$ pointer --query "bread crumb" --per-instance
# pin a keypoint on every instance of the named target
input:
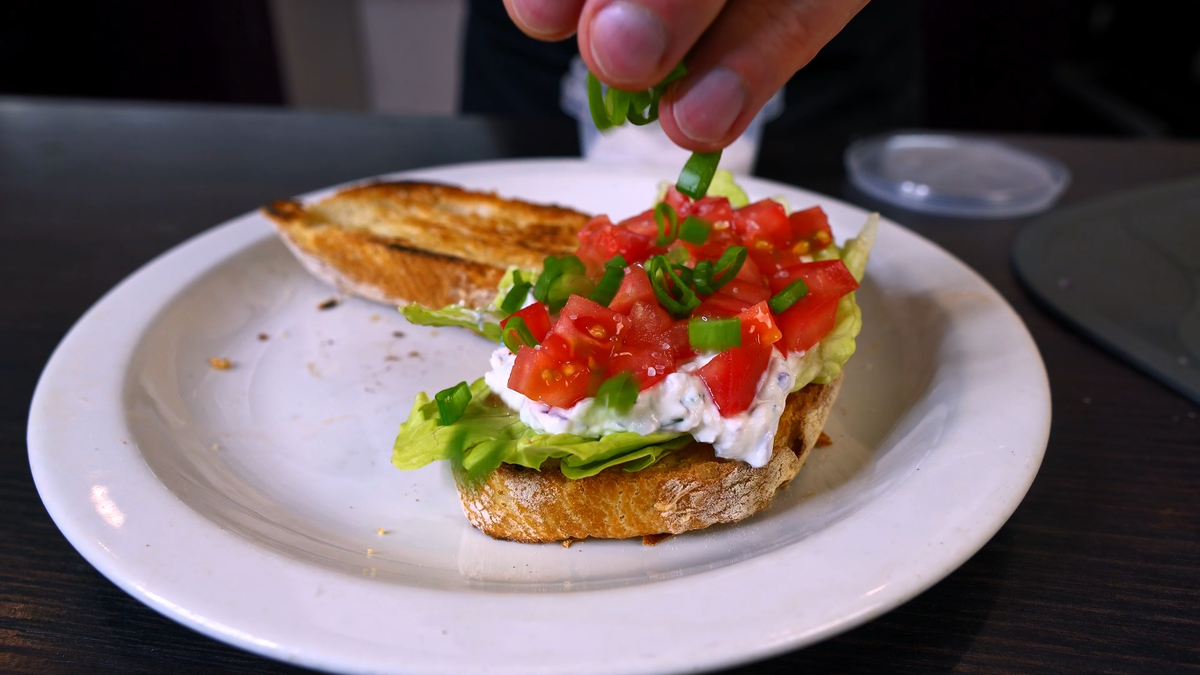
(370, 552)
(263, 337)
(414, 354)
(391, 357)
(328, 304)
(375, 317)
(381, 531)
(215, 446)
(566, 543)
(824, 440)
(397, 333)
(654, 539)
(218, 363)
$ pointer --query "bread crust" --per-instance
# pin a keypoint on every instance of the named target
(437, 245)
(687, 489)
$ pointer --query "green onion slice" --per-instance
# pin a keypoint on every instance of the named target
(596, 104)
(668, 223)
(452, 403)
(702, 278)
(715, 335)
(515, 298)
(673, 294)
(698, 173)
(613, 107)
(727, 266)
(551, 270)
(695, 230)
(610, 283)
(566, 286)
(785, 298)
(618, 393)
(516, 334)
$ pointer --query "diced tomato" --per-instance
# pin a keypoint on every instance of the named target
(648, 321)
(732, 377)
(590, 329)
(719, 239)
(540, 374)
(751, 272)
(758, 326)
(811, 225)
(805, 323)
(536, 317)
(600, 240)
(721, 305)
(747, 292)
(765, 221)
(643, 224)
(713, 209)
(635, 287)
(771, 260)
(826, 279)
(647, 366)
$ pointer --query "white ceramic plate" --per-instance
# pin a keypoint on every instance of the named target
(246, 503)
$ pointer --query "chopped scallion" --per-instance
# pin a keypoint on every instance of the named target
(715, 335)
(785, 298)
(668, 224)
(694, 230)
(565, 286)
(673, 294)
(619, 393)
(698, 173)
(515, 298)
(452, 403)
(727, 266)
(610, 283)
(516, 334)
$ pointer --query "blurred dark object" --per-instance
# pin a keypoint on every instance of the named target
(1112, 67)
(182, 50)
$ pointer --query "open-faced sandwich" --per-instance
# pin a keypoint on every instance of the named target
(672, 373)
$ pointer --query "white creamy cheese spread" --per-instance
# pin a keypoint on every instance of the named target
(679, 402)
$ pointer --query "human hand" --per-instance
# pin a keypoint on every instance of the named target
(738, 52)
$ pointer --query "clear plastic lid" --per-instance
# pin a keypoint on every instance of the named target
(963, 176)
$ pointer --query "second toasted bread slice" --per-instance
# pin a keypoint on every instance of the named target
(437, 245)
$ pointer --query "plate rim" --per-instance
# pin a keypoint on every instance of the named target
(138, 578)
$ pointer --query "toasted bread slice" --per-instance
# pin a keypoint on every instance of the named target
(437, 245)
(688, 489)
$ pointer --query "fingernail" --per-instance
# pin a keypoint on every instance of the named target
(627, 42)
(710, 107)
(544, 18)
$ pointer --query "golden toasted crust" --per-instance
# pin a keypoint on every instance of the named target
(688, 489)
(437, 245)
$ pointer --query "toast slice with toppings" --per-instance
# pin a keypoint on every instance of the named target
(688, 489)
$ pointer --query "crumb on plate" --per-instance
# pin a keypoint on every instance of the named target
(219, 363)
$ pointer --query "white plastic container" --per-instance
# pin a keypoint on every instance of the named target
(648, 145)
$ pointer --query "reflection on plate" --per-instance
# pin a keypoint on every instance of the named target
(249, 503)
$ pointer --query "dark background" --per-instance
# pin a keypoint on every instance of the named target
(1091, 67)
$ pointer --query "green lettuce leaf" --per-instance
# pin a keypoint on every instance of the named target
(489, 433)
(483, 322)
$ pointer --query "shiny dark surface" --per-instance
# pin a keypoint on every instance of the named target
(1098, 569)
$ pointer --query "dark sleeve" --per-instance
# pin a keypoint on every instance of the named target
(507, 73)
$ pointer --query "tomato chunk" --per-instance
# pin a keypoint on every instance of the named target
(805, 323)
(600, 240)
(635, 287)
(732, 377)
(536, 317)
(591, 330)
(542, 375)
(765, 221)
(811, 226)
(825, 279)
(758, 326)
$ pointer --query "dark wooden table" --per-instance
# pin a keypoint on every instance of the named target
(1098, 570)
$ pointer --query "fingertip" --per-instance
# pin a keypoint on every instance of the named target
(706, 111)
(549, 20)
